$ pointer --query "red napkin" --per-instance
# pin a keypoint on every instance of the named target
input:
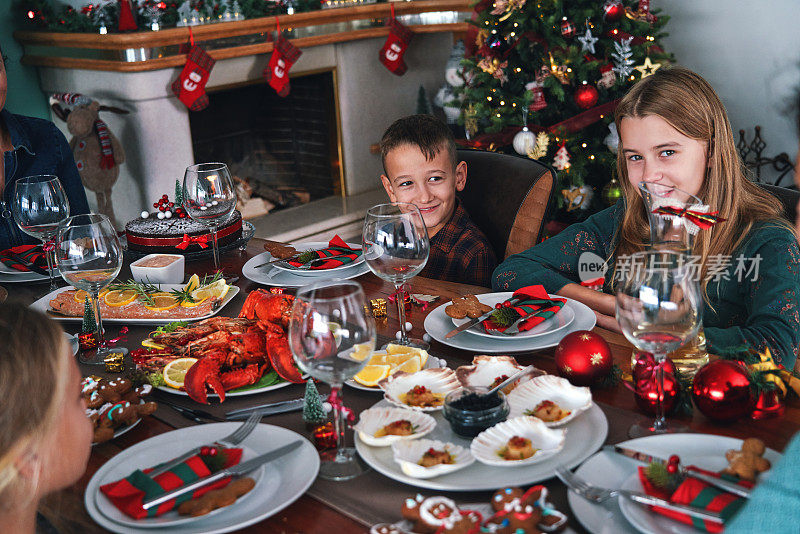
(31, 253)
(129, 493)
(535, 303)
(694, 492)
(338, 252)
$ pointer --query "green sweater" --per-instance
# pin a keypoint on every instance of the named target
(759, 307)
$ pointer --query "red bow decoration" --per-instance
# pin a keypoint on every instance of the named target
(402, 290)
(336, 403)
(201, 240)
(121, 337)
(701, 219)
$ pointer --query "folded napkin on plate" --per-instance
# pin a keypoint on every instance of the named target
(535, 304)
(338, 252)
(28, 253)
(694, 492)
(129, 493)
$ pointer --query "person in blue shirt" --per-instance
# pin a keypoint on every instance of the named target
(32, 146)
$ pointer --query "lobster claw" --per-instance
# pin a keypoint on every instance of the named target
(282, 360)
(204, 373)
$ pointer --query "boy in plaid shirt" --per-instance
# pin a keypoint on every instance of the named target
(420, 167)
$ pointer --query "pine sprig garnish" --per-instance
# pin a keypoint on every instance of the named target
(657, 473)
(505, 316)
(184, 294)
(307, 256)
(143, 290)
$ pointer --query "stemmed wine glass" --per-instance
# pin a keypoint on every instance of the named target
(40, 203)
(659, 308)
(329, 323)
(89, 257)
(396, 248)
(209, 197)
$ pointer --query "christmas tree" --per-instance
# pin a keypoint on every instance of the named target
(568, 62)
(313, 411)
(89, 321)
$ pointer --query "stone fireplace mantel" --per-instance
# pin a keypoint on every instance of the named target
(156, 134)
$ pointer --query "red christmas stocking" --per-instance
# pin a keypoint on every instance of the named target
(126, 20)
(284, 55)
(391, 54)
(190, 85)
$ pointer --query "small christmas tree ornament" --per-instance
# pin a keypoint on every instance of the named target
(586, 96)
(607, 76)
(525, 139)
(284, 55)
(648, 68)
(567, 28)
(539, 150)
(588, 40)
(89, 320)
(578, 197)
(313, 410)
(611, 192)
(561, 159)
(623, 64)
(613, 10)
(583, 358)
(722, 390)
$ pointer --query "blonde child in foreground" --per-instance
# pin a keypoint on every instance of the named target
(421, 167)
(45, 436)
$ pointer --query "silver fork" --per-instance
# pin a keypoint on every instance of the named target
(600, 495)
(231, 440)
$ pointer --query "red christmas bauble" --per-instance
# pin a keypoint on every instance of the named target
(645, 387)
(721, 391)
(586, 96)
(583, 357)
(613, 10)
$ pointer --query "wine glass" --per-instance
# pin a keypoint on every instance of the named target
(659, 308)
(396, 248)
(209, 197)
(89, 257)
(40, 203)
(329, 323)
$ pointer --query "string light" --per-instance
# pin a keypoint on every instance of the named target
(518, 69)
(591, 157)
(489, 98)
(502, 102)
(583, 145)
(512, 34)
(498, 115)
(513, 104)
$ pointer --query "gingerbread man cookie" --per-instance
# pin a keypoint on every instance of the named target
(467, 306)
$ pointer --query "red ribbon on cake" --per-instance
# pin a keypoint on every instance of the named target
(201, 240)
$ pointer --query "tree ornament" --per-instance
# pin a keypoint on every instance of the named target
(578, 197)
(642, 13)
(561, 159)
(722, 391)
(648, 68)
(611, 192)
(586, 96)
(178, 193)
(583, 358)
(567, 28)
(89, 320)
(645, 387)
(494, 67)
(769, 404)
(539, 150)
(588, 40)
(313, 411)
(613, 10)
(623, 64)
(538, 101)
(524, 141)
(612, 139)
(607, 76)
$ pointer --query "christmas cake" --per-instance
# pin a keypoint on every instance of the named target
(175, 233)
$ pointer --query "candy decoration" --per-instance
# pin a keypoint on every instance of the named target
(721, 390)
(586, 96)
(583, 358)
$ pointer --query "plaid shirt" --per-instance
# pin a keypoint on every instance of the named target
(460, 252)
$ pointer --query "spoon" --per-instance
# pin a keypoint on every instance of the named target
(519, 374)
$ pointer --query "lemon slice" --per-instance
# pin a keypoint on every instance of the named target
(378, 358)
(175, 371)
(411, 365)
(187, 304)
(218, 290)
(119, 298)
(402, 353)
(361, 352)
(372, 374)
(194, 283)
(162, 302)
(150, 344)
(81, 295)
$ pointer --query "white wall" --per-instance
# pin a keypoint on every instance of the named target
(749, 50)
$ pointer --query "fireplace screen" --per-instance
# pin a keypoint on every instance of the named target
(281, 151)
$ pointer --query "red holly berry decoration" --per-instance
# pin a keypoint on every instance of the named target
(586, 96)
(722, 391)
(583, 357)
(645, 388)
(613, 10)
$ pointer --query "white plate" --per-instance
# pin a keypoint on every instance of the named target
(10, 278)
(432, 363)
(317, 245)
(610, 470)
(560, 320)
(121, 430)
(270, 276)
(437, 324)
(584, 436)
(43, 305)
(73, 342)
(285, 480)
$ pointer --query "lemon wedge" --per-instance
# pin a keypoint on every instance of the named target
(175, 371)
(402, 353)
(150, 344)
(119, 298)
(361, 351)
(162, 302)
(372, 374)
(378, 358)
(216, 290)
(194, 283)
(411, 365)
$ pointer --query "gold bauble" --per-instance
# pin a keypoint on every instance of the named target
(612, 192)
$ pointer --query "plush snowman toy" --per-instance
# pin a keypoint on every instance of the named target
(454, 76)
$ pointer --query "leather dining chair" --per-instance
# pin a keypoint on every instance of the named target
(788, 197)
(508, 198)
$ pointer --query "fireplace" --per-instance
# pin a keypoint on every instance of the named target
(282, 152)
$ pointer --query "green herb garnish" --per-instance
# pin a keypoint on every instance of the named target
(307, 256)
(505, 316)
(169, 327)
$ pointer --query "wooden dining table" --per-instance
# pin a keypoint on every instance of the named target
(309, 514)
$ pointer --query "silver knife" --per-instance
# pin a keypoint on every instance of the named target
(643, 498)
(266, 409)
(473, 322)
(235, 470)
(724, 485)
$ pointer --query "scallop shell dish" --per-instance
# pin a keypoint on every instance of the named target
(409, 455)
(487, 371)
(550, 398)
(518, 441)
(380, 427)
(424, 390)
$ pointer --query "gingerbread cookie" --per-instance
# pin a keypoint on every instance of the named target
(280, 251)
(440, 515)
(518, 512)
(208, 502)
(748, 462)
(467, 306)
(112, 403)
